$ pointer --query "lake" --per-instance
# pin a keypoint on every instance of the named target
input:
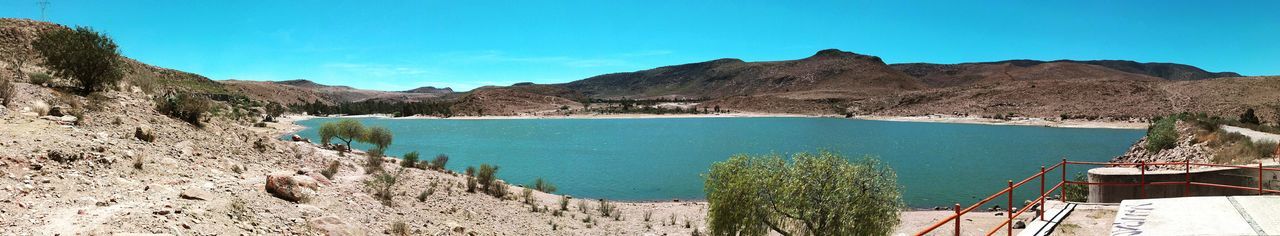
(938, 164)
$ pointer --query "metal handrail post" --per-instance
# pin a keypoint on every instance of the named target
(1260, 192)
(1186, 188)
(1042, 198)
(1142, 185)
(957, 207)
(1009, 227)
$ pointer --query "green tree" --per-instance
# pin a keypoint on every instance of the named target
(89, 58)
(814, 194)
(348, 130)
(380, 137)
(327, 132)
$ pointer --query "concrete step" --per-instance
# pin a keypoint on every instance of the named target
(1053, 217)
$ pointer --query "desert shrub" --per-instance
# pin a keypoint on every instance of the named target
(1076, 192)
(41, 108)
(138, 160)
(1162, 135)
(527, 194)
(755, 195)
(380, 137)
(498, 190)
(184, 106)
(373, 161)
(97, 101)
(1249, 118)
(399, 228)
(606, 208)
(648, 214)
(583, 206)
(6, 92)
(410, 160)
(90, 59)
(38, 78)
(471, 184)
(564, 203)
(332, 169)
(485, 176)
(543, 186)
(1243, 151)
(383, 185)
(440, 162)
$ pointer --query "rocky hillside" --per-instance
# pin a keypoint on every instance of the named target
(301, 91)
(946, 75)
(828, 73)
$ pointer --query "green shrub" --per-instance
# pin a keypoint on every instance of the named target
(90, 59)
(410, 160)
(38, 78)
(1076, 192)
(1162, 135)
(749, 195)
(332, 169)
(440, 162)
(184, 106)
(543, 186)
(471, 184)
(485, 177)
(383, 185)
(373, 161)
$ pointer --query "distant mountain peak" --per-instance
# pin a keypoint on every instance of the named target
(837, 53)
(430, 89)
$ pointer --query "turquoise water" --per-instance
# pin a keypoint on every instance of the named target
(662, 159)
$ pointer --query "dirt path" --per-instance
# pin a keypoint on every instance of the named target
(1257, 136)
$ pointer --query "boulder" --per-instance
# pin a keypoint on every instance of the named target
(319, 178)
(297, 138)
(195, 194)
(144, 133)
(291, 188)
(1019, 224)
(332, 226)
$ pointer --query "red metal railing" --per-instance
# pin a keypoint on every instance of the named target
(1142, 184)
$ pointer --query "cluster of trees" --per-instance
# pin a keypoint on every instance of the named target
(430, 108)
(813, 194)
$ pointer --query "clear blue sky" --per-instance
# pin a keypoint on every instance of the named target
(397, 45)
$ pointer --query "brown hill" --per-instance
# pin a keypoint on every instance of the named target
(299, 91)
(829, 73)
(945, 75)
(515, 100)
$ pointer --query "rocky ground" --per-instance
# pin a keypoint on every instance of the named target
(63, 179)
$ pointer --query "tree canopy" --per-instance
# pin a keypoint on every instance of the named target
(814, 194)
(89, 58)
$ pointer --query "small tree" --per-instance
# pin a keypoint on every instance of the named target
(1249, 118)
(822, 194)
(380, 137)
(274, 110)
(88, 58)
(348, 130)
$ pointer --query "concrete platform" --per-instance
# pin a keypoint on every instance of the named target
(1233, 215)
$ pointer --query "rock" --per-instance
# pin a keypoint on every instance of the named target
(195, 194)
(56, 111)
(297, 138)
(290, 188)
(144, 133)
(1019, 224)
(332, 226)
(319, 178)
(455, 227)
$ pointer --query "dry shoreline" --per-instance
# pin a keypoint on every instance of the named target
(929, 119)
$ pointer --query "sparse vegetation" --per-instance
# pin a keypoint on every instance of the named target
(431, 189)
(543, 186)
(138, 161)
(38, 78)
(1076, 192)
(184, 106)
(346, 130)
(755, 195)
(89, 58)
(383, 185)
(6, 92)
(584, 207)
(399, 228)
(440, 162)
(564, 203)
(1162, 134)
(1249, 118)
(527, 195)
(373, 161)
(607, 208)
(410, 160)
(332, 169)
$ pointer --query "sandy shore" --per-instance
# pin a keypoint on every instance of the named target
(933, 119)
(1023, 122)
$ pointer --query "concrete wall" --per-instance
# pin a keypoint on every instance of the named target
(1224, 176)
